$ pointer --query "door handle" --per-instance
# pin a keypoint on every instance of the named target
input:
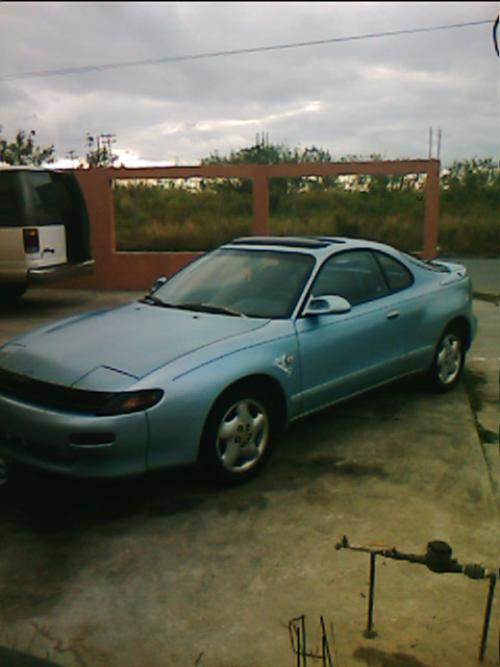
(393, 314)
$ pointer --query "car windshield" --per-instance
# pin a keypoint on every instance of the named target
(252, 283)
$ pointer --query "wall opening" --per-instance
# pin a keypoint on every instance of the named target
(180, 214)
(382, 208)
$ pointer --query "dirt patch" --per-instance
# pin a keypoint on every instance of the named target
(373, 657)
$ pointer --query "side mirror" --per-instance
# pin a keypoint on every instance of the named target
(157, 284)
(327, 305)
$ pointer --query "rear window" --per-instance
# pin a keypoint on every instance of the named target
(10, 208)
(48, 199)
(396, 274)
(31, 198)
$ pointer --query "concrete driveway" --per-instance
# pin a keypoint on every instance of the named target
(167, 571)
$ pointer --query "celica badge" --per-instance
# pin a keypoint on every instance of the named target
(285, 363)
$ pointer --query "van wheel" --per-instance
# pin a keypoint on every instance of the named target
(10, 293)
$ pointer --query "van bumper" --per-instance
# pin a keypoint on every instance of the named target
(47, 274)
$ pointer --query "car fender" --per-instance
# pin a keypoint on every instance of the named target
(176, 424)
(453, 303)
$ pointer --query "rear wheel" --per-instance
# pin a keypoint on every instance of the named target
(3, 472)
(238, 435)
(448, 360)
(11, 292)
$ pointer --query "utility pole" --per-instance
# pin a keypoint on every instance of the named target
(438, 147)
(71, 155)
(107, 140)
(440, 134)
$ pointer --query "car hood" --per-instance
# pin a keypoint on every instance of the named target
(113, 349)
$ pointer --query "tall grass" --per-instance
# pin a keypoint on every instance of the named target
(152, 217)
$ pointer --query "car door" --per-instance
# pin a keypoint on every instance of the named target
(343, 354)
(411, 303)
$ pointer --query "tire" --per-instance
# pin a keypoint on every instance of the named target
(4, 472)
(448, 362)
(11, 293)
(238, 435)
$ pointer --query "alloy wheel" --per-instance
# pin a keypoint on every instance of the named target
(449, 359)
(243, 435)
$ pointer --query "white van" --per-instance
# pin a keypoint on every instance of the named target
(44, 228)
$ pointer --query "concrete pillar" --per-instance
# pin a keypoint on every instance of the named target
(260, 193)
(431, 210)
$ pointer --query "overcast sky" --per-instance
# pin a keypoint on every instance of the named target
(360, 97)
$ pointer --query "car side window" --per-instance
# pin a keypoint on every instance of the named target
(398, 277)
(355, 275)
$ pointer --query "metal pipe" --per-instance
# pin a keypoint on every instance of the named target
(369, 632)
(325, 653)
(304, 640)
(487, 616)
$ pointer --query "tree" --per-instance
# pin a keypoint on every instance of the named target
(24, 151)
(263, 152)
(472, 175)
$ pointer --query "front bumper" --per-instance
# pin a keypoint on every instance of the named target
(43, 438)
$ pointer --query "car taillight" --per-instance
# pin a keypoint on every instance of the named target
(31, 241)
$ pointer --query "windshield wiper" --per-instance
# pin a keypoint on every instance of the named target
(200, 307)
(210, 308)
(155, 301)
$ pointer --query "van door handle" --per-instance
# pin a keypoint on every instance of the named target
(393, 314)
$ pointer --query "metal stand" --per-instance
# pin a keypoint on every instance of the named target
(298, 639)
(438, 558)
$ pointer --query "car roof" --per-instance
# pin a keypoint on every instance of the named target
(315, 245)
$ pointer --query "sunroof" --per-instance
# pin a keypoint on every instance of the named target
(330, 239)
(286, 241)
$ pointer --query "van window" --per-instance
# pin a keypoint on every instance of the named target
(10, 208)
(48, 199)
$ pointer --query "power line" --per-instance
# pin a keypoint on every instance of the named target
(234, 52)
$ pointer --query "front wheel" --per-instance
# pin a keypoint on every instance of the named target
(238, 434)
(448, 361)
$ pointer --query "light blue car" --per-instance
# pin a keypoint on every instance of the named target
(215, 361)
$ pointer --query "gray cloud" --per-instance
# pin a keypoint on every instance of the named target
(372, 96)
